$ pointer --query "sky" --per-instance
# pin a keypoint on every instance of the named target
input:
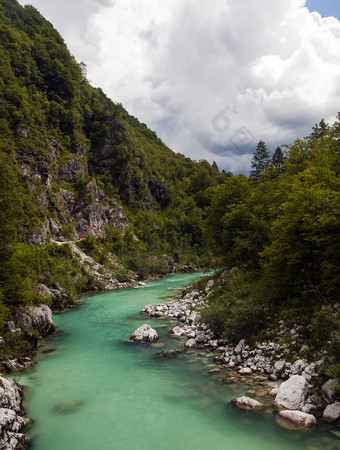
(211, 81)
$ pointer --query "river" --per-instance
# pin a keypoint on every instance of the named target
(94, 390)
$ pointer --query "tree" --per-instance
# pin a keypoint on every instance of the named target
(277, 161)
(214, 165)
(278, 157)
(320, 130)
(260, 161)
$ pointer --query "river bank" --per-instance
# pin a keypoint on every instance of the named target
(90, 374)
(297, 398)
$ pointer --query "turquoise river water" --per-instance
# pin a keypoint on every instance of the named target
(92, 389)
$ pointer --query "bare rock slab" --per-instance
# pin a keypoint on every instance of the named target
(144, 333)
(296, 420)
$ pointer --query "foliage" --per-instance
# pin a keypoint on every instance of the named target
(260, 161)
(283, 230)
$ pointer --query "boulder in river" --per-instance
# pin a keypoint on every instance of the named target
(296, 420)
(144, 333)
(190, 343)
(247, 403)
(68, 407)
(332, 412)
(292, 393)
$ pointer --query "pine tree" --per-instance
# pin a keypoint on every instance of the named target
(278, 158)
(260, 161)
(214, 165)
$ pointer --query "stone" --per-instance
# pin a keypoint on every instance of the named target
(38, 317)
(279, 366)
(245, 371)
(43, 291)
(332, 412)
(178, 331)
(303, 349)
(310, 408)
(215, 370)
(247, 403)
(10, 424)
(68, 407)
(142, 284)
(144, 333)
(166, 354)
(273, 392)
(10, 395)
(200, 339)
(190, 343)
(148, 309)
(292, 393)
(240, 346)
(296, 420)
(328, 391)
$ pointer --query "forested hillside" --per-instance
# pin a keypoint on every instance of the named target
(76, 164)
(279, 228)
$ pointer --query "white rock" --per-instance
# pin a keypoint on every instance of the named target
(245, 371)
(274, 391)
(10, 394)
(144, 333)
(190, 343)
(292, 393)
(239, 347)
(178, 331)
(148, 309)
(39, 317)
(295, 420)
(279, 366)
(332, 412)
(161, 307)
(9, 420)
(247, 403)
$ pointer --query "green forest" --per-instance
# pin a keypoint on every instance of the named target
(279, 226)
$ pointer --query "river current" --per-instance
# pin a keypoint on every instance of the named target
(93, 390)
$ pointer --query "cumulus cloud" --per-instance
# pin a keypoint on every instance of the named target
(211, 81)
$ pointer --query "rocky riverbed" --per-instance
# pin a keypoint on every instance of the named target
(32, 323)
(290, 383)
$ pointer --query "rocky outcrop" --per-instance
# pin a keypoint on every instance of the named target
(10, 425)
(105, 276)
(144, 333)
(11, 420)
(160, 192)
(49, 230)
(296, 420)
(70, 171)
(248, 404)
(38, 318)
(292, 393)
(94, 211)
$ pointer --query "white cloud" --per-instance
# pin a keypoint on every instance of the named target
(210, 80)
